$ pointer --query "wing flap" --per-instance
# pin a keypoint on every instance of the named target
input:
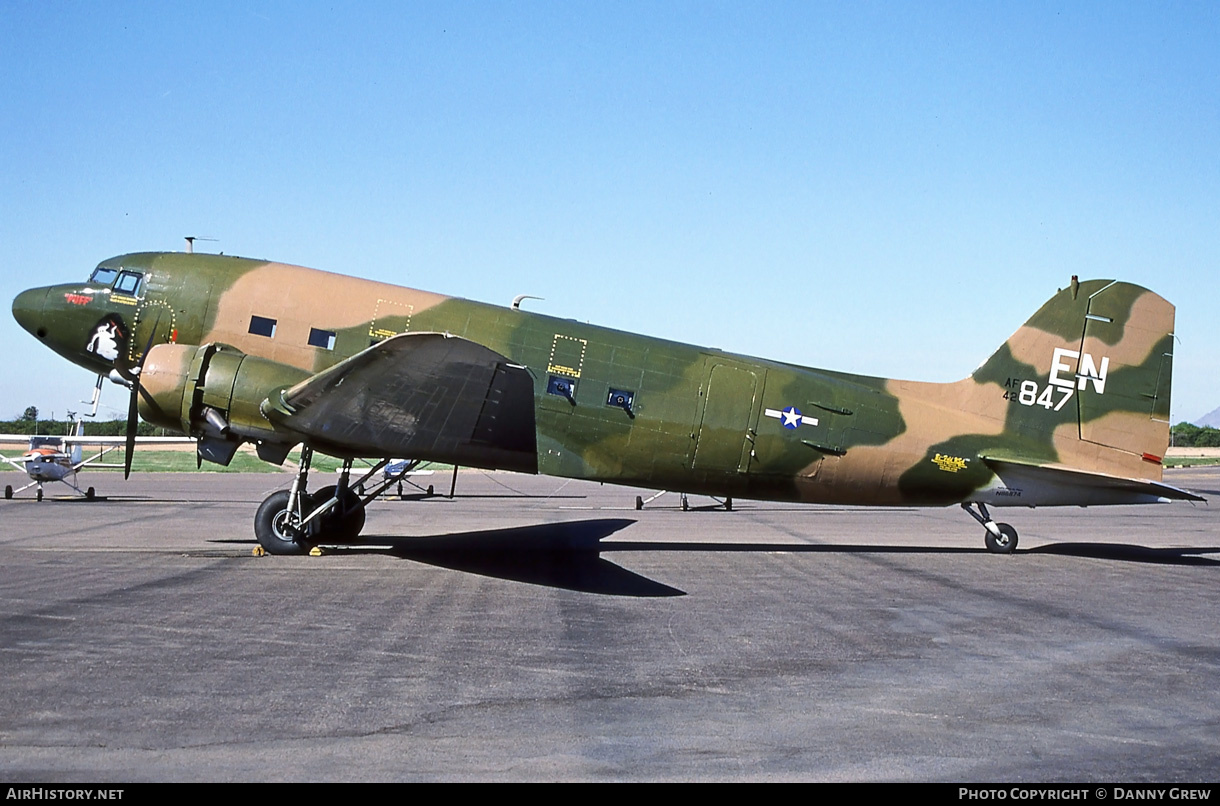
(419, 395)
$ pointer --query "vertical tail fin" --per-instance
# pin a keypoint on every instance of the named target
(1091, 369)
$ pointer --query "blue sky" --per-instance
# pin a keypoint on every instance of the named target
(884, 188)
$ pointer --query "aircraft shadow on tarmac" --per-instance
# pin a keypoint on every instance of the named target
(568, 555)
(559, 555)
(1130, 553)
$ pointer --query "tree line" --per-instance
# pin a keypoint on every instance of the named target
(1189, 435)
(63, 428)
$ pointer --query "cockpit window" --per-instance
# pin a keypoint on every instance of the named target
(128, 283)
(103, 276)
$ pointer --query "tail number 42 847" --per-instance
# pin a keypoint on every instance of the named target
(1062, 383)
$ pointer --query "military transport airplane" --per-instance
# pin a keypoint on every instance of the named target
(1072, 410)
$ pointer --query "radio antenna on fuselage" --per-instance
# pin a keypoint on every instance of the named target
(190, 242)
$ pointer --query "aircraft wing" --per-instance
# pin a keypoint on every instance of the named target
(96, 459)
(424, 395)
(1087, 487)
(74, 439)
(86, 440)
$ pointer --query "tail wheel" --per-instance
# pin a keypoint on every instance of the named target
(1006, 543)
(274, 525)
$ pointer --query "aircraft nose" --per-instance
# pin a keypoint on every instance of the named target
(27, 310)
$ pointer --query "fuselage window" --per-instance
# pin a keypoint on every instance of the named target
(562, 387)
(262, 326)
(128, 283)
(103, 276)
(322, 338)
(621, 399)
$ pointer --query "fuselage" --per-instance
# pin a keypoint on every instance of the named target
(47, 464)
(608, 405)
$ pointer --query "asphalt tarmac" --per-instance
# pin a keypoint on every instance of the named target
(537, 629)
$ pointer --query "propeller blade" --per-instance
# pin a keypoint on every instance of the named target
(123, 367)
(133, 407)
(133, 416)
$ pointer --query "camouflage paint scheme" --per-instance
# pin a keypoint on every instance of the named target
(1073, 409)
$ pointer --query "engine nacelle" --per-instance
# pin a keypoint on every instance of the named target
(211, 391)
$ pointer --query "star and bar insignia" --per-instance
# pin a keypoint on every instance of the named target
(791, 417)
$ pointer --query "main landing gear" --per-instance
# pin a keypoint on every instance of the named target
(1000, 537)
(293, 521)
(640, 501)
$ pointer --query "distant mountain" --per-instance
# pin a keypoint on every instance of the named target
(1212, 419)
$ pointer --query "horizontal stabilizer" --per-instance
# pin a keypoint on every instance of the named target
(1045, 484)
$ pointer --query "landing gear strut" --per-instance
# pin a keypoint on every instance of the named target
(1001, 538)
(344, 520)
(281, 521)
(89, 495)
(293, 521)
(684, 501)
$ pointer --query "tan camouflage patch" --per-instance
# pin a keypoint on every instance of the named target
(1035, 347)
(933, 413)
(1150, 319)
(163, 383)
(334, 303)
(1142, 434)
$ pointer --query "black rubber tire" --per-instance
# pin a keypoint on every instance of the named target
(39, 495)
(1006, 544)
(639, 502)
(271, 530)
(8, 492)
(90, 494)
(343, 523)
